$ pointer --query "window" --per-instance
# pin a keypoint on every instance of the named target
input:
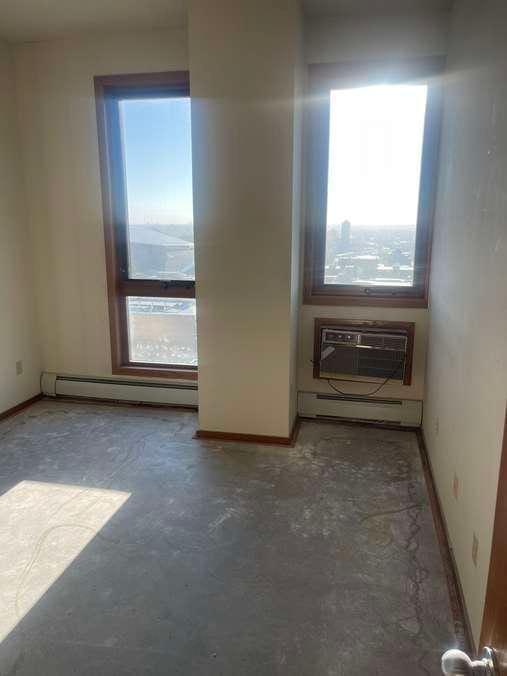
(146, 167)
(373, 133)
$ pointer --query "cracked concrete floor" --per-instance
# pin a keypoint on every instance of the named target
(127, 547)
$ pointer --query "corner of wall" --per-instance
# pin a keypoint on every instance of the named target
(19, 347)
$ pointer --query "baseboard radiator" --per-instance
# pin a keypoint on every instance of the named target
(403, 412)
(118, 389)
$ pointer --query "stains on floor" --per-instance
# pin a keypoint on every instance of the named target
(206, 558)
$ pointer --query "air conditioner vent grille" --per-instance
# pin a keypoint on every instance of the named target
(362, 351)
(372, 340)
(395, 343)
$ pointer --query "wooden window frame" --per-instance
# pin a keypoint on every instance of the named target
(323, 78)
(109, 89)
(406, 329)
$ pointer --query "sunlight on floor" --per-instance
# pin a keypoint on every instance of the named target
(43, 528)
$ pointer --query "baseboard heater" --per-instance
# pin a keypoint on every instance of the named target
(403, 412)
(117, 389)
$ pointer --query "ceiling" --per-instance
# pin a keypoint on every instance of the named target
(30, 20)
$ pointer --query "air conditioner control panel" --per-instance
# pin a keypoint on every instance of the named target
(339, 337)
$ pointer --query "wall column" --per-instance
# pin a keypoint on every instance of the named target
(244, 65)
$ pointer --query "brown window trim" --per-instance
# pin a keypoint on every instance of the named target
(323, 78)
(108, 89)
(403, 328)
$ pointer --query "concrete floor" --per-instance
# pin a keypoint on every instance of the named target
(127, 547)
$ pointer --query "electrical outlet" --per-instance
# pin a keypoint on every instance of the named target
(19, 367)
(437, 426)
(455, 486)
(475, 549)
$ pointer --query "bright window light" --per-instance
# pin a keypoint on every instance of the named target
(162, 330)
(375, 150)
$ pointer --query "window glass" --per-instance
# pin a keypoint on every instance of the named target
(156, 137)
(375, 148)
(162, 330)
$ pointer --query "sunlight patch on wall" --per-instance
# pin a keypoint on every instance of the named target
(43, 529)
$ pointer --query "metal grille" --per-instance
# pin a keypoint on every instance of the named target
(371, 355)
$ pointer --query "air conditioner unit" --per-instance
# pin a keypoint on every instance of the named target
(118, 389)
(357, 351)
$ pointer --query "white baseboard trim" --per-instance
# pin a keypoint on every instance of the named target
(119, 389)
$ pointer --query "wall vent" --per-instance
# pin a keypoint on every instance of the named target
(403, 412)
(358, 398)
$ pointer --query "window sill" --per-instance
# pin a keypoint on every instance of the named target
(169, 373)
(365, 301)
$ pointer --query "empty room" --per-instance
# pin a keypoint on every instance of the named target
(253, 337)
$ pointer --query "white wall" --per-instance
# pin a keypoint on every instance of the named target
(356, 37)
(243, 99)
(18, 339)
(370, 36)
(298, 210)
(57, 116)
(57, 112)
(467, 368)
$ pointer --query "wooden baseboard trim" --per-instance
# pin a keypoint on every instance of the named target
(462, 626)
(251, 438)
(20, 407)
(372, 424)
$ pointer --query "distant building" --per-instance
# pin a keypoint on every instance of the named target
(345, 235)
(159, 255)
